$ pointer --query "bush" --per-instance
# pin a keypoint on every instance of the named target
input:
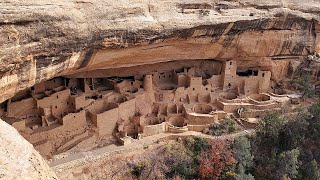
(215, 160)
(179, 161)
(137, 168)
(293, 133)
(314, 122)
(225, 126)
(315, 110)
(196, 145)
(305, 85)
(312, 171)
(268, 130)
(242, 153)
(288, 164)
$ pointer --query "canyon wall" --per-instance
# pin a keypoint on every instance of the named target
(43, 39)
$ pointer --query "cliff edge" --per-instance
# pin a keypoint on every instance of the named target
(18, 158)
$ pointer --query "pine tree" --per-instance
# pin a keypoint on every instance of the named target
(312, 171)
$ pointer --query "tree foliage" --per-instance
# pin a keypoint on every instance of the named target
(288, 164)
(280, 149)
(267, 134)
(225, 126)
(242, 152)
(243, 155)
(312, 171)
(305, 85)
(215, 160)
(293, 133)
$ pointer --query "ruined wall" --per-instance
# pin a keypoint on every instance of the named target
(127, 109)
(216, 81)
(58, 102)
(128, 86)
(106, 121)
(78, 102)
(22, 108)
(229, 75)
(264, 81)
(154, 129)
(143, 104)
(201, 119)
(198, 128)
(74, 121)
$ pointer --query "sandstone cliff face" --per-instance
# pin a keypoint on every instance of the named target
(18, 159)
(47, 38)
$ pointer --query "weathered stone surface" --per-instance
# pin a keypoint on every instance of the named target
(18, 159)
(43, 39)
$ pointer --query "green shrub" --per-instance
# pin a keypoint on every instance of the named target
(268, 130)
(137, 168)
(315, 110)
(242, 152)
(179, 161)
(305, 85)
(288, 164)
(196, 145)
(225, 126)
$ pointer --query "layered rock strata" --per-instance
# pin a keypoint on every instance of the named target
(43, 39)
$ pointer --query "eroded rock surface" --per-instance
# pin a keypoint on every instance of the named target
(43, 39)
(18, 159)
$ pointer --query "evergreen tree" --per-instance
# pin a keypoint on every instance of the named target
(288, 164)
(242, 153)
(312, 171)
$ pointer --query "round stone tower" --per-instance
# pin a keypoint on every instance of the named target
(147, 83)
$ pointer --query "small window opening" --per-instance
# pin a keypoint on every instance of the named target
(229, 84)
(262, 74)
(248, 72)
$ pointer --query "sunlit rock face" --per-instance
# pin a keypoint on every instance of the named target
(18, 158)
(43, 39)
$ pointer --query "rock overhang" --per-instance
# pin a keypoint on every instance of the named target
(38, 44)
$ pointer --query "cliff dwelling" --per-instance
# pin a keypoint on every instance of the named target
(159, 89)
(126, 104)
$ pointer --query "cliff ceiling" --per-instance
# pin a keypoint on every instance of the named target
(43, 39)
